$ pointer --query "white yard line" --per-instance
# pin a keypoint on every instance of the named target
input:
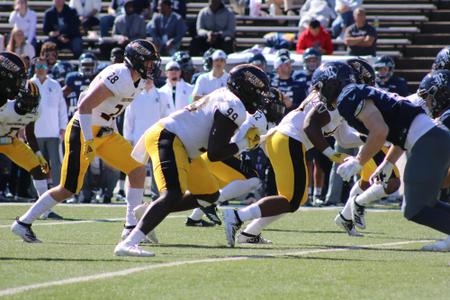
(125, 272)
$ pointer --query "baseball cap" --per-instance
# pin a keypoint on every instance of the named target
(281, 61)
(172, 64)
(219, 54)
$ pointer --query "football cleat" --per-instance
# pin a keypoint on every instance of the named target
(123, 249)
(347, 225)
(198, 223)
(439, 246)
(24, 231)
(151, 237)
(232, 225)
(211, 213)
(246, 238)
(358, 212)
(121, 196)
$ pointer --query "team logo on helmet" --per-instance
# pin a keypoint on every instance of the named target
(140, 49)
(8, 64)
(330, 72)
(250, 77)
(440, 79)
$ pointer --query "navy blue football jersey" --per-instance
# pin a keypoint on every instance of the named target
(445, 118)
(295, 90)
(77, 84)
(397, 114)
(396, 85)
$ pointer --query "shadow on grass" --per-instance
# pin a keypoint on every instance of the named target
(57, 259)
(313, 231)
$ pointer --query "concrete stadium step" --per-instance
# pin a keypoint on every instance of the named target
(431, 38)
(412, 74)
(422, 50)
(414, 62)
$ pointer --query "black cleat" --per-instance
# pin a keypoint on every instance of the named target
(198, 223)
(211, 214)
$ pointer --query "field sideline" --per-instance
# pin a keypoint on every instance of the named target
(310, 259)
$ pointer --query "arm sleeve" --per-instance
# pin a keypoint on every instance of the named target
(12, 17)
(219, 147)
(301, 44)
(403, 88)
(62, 110)
(201, 31)
(47, 26)
(128, 122)
(32, 28)
(231, 25)
(347, 137)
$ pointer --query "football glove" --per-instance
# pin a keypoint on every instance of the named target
(253, 137)
(89, 150)
(334, 156)
(349, 168)
(42, 162)
(382, 173)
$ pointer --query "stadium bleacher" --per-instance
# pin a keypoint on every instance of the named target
(413, 32)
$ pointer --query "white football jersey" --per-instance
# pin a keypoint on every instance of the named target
(11, 122)
(193, 124)
(257, 120)
(292, 124)
(117, 78)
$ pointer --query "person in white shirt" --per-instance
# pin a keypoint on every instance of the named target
(213, 80)
(87, 11)
(25, 19)
(19, 45)
(178, 90)
(146, 109)
(50, 126)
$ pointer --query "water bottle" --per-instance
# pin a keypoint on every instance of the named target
(376, 23)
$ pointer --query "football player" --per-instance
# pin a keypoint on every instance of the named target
(77, 82)
(386, 80)
(90, 132)
(434, 89)
(172, 144)
(18, 114)
(382, 117)
(12, 76)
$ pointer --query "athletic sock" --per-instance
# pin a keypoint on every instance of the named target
(40, 186)
(249, 213)
(346, 211)
(134, 198)
(257, 225)
(121, 184)
(43, 204)
(317, 192)
(197, 214)
(238, 188)
(135, 237)
(374, 192)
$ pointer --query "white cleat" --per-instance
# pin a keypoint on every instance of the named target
(246, 238)
(347, 225)
(24, 231)
(122, 249)
(439, 246)
(358, 212)
(231, 225)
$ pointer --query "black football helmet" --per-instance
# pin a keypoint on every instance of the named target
(207, 59)
(250, 84)
(60, 71)
(273, 107)
(435, 90)
(87, 64)
(27, 100)
(184, 60)
(137, 53)
(442, 60)
(117, 55)
(13, 76)
(364, 73)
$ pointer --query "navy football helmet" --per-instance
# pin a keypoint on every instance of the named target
(435, 90)
(384, 62)
(258, 60)
(442, 60)
(250, 84)
(87, 64)
(60, 71)
(329, 80)
(207, 59)
(137, 53)
(309, 53)
(274, 107)
(364, 73)
(184, 60)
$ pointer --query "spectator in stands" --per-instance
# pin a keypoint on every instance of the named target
(178, 90)
(19, 45)
(114, 10)
(258, 60)
(360, 37)
(178, 6)
(24, 19)
(315, 37)
(216, 26)
(294, 92)
(385, 79)
(49, 51)
(166, 28)
(87, 12)
(49, 128)
(130, 26)
(213, 80)
(345, 17)
(319, 10)
(142, 8)
(62, 25)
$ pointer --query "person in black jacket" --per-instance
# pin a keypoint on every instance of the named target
(62, 25)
